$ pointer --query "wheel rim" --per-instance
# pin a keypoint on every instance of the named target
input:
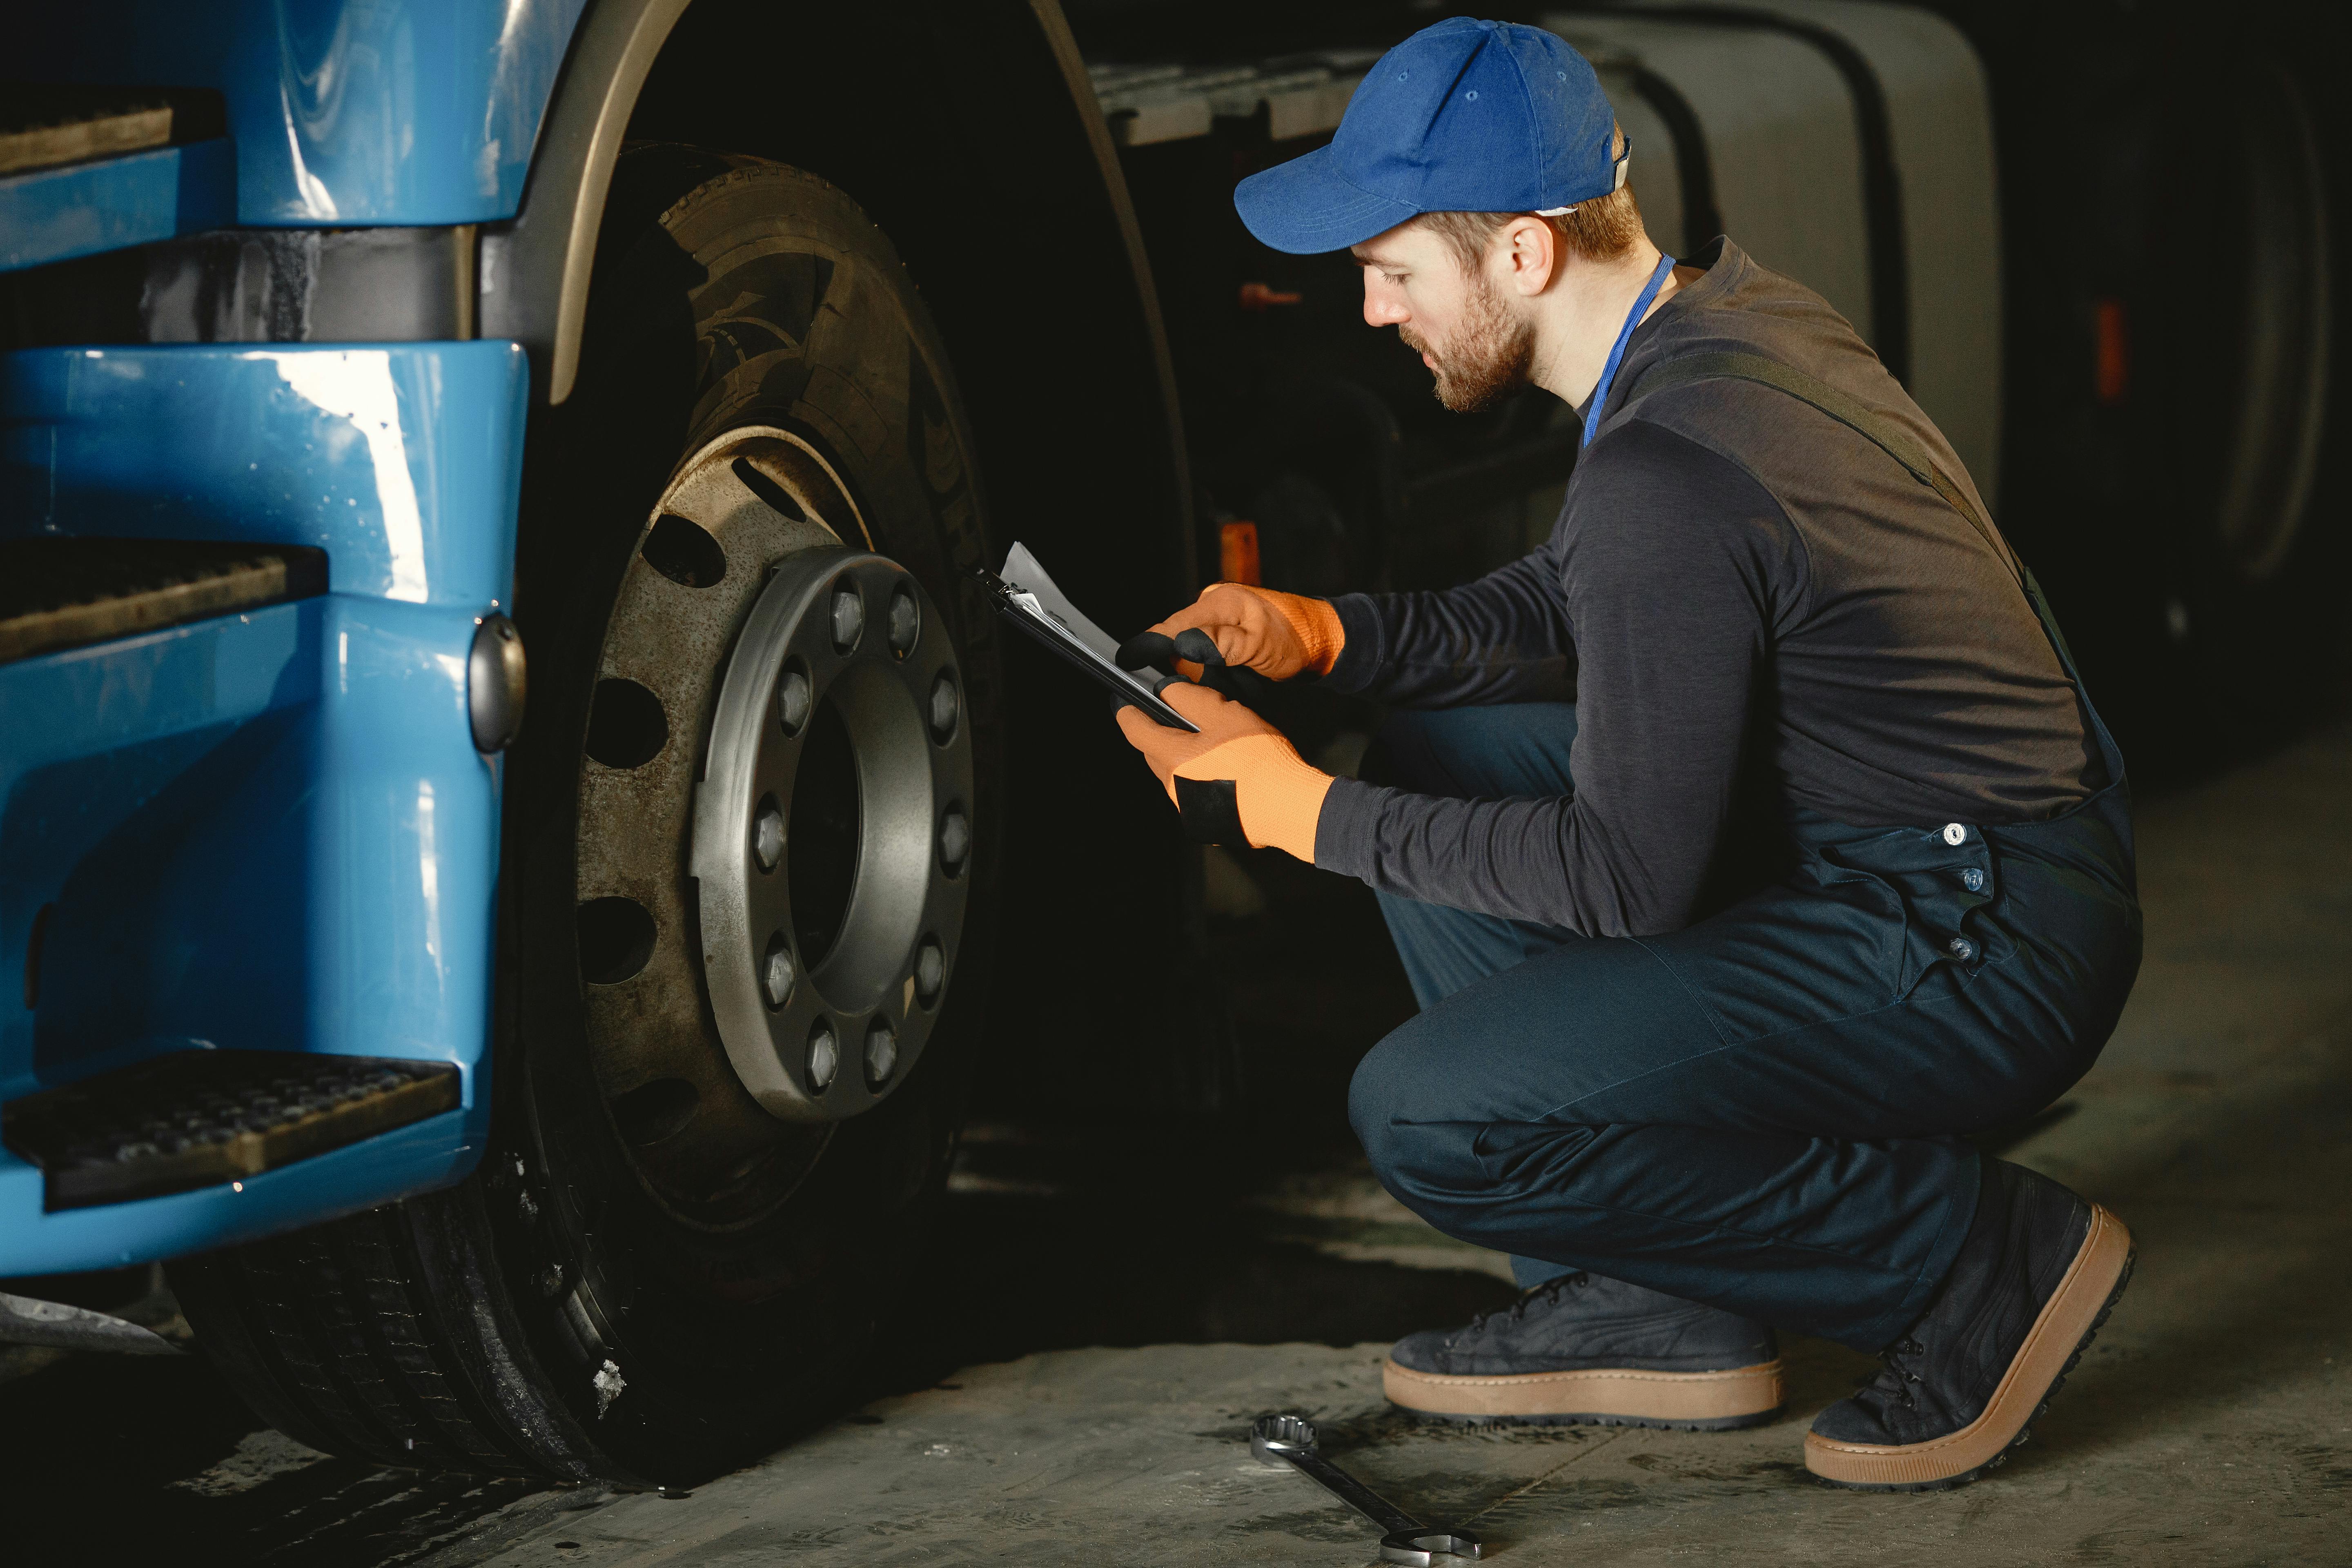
(825, 993)
(732, 584)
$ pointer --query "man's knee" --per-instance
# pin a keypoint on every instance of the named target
(1456, 1165)
(1397, 1087)
(1378, 1097)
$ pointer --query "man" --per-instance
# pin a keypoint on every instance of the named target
(1827, 863)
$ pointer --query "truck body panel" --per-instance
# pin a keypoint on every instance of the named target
(57, 215)
(268, 830)
(407, 112)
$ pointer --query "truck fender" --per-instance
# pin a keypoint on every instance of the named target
(534, 271)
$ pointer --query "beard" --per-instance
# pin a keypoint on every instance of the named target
(1489, 356)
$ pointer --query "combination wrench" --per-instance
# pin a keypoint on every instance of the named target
(1290, 1440)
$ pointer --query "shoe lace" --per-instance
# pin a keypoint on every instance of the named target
(1893, 1379)
(1547, 1292)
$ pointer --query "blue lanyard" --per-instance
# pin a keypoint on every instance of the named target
(1617, 353)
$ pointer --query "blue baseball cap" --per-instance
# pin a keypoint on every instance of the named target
(1467, 116)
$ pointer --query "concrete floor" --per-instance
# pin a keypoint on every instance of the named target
(1123, 1304)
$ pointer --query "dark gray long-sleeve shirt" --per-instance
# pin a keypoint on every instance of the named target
(1741, 594)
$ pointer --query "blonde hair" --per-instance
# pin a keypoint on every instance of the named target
(1601, 229)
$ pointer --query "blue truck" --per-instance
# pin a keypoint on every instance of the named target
(519, 834)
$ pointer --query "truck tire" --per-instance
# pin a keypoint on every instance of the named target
(655, 1274)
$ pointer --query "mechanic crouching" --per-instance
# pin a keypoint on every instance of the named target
(1827, 863)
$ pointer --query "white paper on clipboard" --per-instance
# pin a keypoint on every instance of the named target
(1027, 577)
(1024, 571)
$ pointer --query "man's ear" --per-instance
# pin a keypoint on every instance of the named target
(1530, 254)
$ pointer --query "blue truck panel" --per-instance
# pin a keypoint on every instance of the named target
(342, 111)
(268, 830)
(402, 460)
(56, 214)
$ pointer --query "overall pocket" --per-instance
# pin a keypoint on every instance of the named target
(1941, 886)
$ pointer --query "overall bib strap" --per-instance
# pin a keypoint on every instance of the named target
(2110, 803)
(1889, 438)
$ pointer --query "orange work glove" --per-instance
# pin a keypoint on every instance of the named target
(1277, 634)
(1238, 772)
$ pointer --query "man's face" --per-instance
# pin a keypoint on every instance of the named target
(1462, 325)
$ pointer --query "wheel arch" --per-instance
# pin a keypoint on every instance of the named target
(967, 131)
(534, 268)
(1028, 251)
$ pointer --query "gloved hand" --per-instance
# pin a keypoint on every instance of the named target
(1277, 634)
(1239, 778)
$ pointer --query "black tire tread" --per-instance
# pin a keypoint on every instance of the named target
(335, 1322)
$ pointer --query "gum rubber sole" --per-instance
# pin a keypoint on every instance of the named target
(2068, 1322)
(1592, 1419)
(1601, 1396)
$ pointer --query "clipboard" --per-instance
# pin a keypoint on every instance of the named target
(1027, 597)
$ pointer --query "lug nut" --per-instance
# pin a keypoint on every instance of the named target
(930, 969)
(776, 970)
(944, 708)
(848, 618)
(906, 623)
(955, 840)
(768, 835)
(824, 1055)
(881, 1053)
(793, 699)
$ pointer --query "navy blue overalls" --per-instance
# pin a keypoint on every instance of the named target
(1763, 1111)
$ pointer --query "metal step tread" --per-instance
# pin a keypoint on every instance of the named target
(63, 593)
(47, 126)
(197, 1119)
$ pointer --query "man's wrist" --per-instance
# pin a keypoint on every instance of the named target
(1282, 804)
(1356, 664)
(1316, 627)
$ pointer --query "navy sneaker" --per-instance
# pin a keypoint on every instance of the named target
(1583, 1349)
(2040, 1271)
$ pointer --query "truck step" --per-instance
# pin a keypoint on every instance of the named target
(49, 125)
(197, 1119)
(63, 593)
